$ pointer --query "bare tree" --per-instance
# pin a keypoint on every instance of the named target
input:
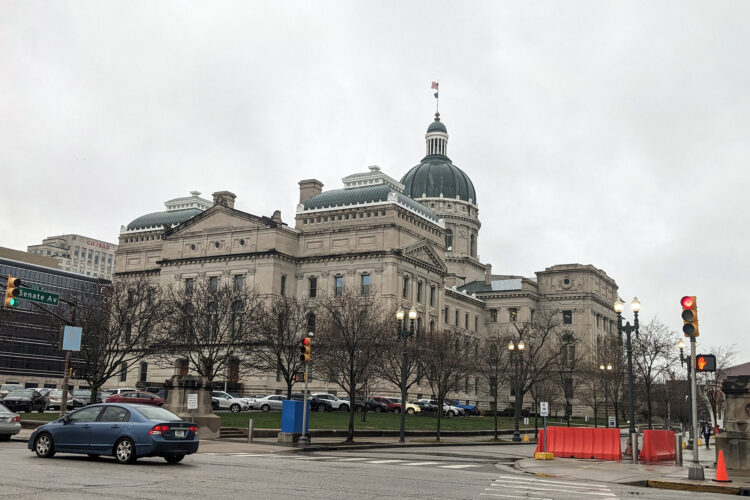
(445, 364)
(592, 387)
(492, 366)
(653, 355)
(391, 358)
(119, 324)
(209, 324)
(351, 330)
(567, 366)
(282, 323)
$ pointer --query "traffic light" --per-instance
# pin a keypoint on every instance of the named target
(305, 350)
(689, 315)
(705, 363)
(12, 291)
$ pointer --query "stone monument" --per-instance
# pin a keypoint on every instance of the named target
(189, 397)
(734, 441)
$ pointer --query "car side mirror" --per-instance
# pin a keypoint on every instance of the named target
(66, 419)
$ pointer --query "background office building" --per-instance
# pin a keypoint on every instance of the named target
(79, 254)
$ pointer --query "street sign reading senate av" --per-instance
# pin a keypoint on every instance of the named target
(33, 295)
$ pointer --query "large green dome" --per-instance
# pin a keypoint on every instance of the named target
(437, 176)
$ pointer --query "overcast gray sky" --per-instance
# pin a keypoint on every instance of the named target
(604, 133)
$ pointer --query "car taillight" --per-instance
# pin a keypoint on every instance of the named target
(17, 418)
(158, 429)
(194, 428)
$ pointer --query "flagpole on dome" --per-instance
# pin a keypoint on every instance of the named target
(436, 88)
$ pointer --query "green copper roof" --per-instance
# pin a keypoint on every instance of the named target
(436, 125)
(159, 219)
(437, 176)
(366, 194)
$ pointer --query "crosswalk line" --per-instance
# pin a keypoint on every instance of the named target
(422, 463)
(533, 479)
(539, 489)
(458, 466)
(384, 461)
(498, 495)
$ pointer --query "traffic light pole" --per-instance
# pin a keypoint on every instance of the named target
(695, 471)
(66, 373)
(303, 438)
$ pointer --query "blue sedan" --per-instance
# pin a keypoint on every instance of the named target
(123, 430)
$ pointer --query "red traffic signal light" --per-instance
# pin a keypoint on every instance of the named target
(305, 349)
(12, 291)
(705, 363)
(689, 315)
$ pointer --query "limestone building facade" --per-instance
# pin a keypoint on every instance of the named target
(415, 241)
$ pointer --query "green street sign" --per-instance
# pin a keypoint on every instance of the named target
(48, 298)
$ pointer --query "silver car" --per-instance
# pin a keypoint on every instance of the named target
(10, 423)
(228, 402)
(267, 403)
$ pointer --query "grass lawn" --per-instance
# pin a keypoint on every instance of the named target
(374, 421)
(42, 417)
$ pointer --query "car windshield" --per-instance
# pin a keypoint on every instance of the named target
(20, 394)
(394, 400)
(155, 413)
(3, 409)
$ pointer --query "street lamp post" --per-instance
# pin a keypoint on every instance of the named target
(635, 306)
(404, 333)
(516, 352)
(605, 370)
(685, 360)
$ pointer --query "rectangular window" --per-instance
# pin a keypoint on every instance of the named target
(239, 282)
(405, 291)
(476, 323)
(513, 314)
(466, 321)
(456, 317)
(365, 284)
(445, 320)
(338, 286)
(419, 291)
(313, 286)
(213, 283)
(567, 317)
(283, 285)
(189, 284)
(493, 315)
(432, 295)
(143, 375)
(123, 372)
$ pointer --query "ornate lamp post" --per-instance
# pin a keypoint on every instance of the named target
(516, 352)
(605, 370)
(404, 333)
(635, 306)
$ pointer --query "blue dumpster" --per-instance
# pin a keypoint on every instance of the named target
(291, 417)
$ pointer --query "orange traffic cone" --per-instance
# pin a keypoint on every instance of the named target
(721, 470)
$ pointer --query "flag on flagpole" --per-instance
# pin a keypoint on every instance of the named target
(435, 85)
(436, 95)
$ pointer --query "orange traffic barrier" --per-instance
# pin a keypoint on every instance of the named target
(658, 445)
(721, 469)
(582, 442)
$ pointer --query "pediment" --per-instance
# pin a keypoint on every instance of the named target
(424, 251)
(218, 218)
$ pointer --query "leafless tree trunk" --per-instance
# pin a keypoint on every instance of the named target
(492, 364)
(210, 326)
(653, 354)
(445, 365)
(351, 330)
(567, 366)
(276, 339)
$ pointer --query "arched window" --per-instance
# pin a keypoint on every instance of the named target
(472, 246)
(449, 240)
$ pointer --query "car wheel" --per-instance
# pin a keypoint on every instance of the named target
(344, 408)
(44, 446)
(235, 408)
(451, 414)
(410, 411)
(321, 409)
(174, 458)
(125, 451)
(397, 410)
(265, 408)
(378, 409)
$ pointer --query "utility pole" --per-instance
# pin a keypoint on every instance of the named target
(66, 372)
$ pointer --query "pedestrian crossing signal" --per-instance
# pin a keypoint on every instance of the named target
(705, 363)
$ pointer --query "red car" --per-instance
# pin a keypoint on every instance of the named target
(392, 405)
(143, 398)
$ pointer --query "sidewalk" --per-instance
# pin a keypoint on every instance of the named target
(664, 475)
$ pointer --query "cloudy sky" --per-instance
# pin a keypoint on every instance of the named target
(604, 133)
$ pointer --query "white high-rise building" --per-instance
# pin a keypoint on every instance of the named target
(79, 254)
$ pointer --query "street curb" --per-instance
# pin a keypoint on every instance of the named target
(333, 447)
(693, 486)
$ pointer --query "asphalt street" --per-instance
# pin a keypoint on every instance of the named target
(448, 472)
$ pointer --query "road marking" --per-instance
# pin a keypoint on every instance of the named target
(352, 459)
(527, 479)
(459, 466)
(422, 463)
(310, 458)
(384, 461)
(497, 495)
(539, 489)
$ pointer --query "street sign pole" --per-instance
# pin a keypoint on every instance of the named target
(695, 471)
(544, 411)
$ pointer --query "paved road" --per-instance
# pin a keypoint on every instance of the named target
(436, 473)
